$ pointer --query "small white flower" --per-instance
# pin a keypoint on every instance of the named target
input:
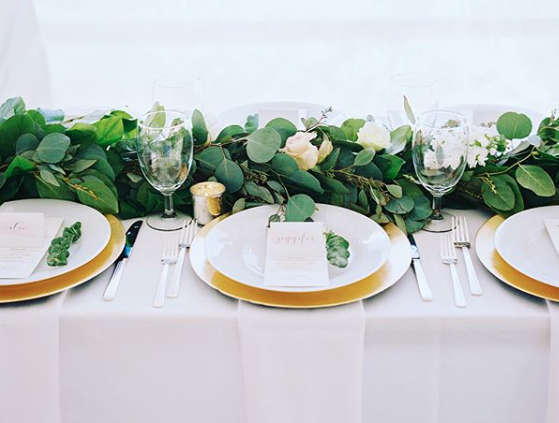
(373, 136)
(300, 148)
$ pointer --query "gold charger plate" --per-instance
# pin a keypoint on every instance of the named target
(395, 267)
(45, 287)
(490, 258)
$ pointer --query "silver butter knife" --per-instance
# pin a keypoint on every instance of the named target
(424, 289)
(131, 236)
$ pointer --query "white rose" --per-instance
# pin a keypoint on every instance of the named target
(300, 148)
(325, 149)
(374, 136)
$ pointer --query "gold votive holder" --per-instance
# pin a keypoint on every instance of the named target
(206, 198)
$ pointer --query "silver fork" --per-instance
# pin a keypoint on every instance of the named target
(168, 257)
(448, 256)
(461, 240)
(185, 240)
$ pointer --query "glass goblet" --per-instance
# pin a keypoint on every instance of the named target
(419, 89)
(439, 153)
(179, 91)
(165, 150)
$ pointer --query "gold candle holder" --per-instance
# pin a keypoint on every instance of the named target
(206, 197)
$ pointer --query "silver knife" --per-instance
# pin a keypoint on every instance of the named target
(424, 290)
(131, 235)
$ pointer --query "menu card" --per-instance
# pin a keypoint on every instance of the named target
(19, 262)
(22, 229)
(552, 226)
(296, 255)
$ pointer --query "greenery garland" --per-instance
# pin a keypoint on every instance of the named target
(92, 160)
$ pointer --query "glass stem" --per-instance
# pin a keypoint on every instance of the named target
(437, 204)
(169, 213)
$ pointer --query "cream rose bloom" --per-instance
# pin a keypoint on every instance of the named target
(325, 149)
(373, 136)
(300, 148)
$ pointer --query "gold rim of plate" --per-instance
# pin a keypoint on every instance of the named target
(50, 286)
(490, 258)
(391, 272)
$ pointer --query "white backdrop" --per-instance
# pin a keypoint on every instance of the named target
(106, 52)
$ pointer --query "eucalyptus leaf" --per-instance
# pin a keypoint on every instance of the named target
(351, 127)
(11, 130)
(229, 132)
(83, 164)
(497, 194)
(283, 127)
(53, 147)
(364, 157)
(48, 177)
(96, 194)
(239, 205)
(18, 166)
(514, 125)
(299, 207)
(400, 205)
(535, 179)
(284, 164)
(199, 128)
(230, 174)
(307, 181)
(263, 145)
(26, 142)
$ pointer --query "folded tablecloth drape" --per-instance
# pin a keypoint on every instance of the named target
(302, 365)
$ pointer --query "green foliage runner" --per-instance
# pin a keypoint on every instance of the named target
(92, 160)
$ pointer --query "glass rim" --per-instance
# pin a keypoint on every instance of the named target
(461, 119)
(173, 111)
(432, 80)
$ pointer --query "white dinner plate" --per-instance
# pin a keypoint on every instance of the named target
(236, 247)
(96, 232)
(524, 243)
(476, 114)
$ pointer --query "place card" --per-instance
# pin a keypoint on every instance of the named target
(296, 255)
(22, 229)
(552, 226)
(20, 262)
(292, 115)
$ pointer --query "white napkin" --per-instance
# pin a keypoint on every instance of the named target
(29, 340)
(302, 365)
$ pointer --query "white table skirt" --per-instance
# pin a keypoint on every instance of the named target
(125, 361)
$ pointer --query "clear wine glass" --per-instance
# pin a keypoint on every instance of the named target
(179, 91)
(421, 92)
(439, 152)
(165, 148)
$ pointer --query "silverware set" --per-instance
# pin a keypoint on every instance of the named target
(459, 238)
(173, 254)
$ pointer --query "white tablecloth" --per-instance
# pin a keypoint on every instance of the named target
(207, 358)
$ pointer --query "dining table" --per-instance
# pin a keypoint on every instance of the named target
(205, 357)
